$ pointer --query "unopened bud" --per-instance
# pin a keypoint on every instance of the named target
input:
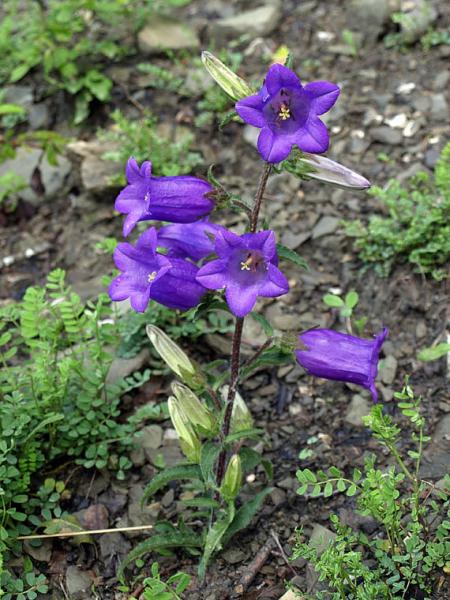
(195, 411)
(241, 418)
(173, 355)
(232, 480)
(232, 84)
(189, 442)
(314, 166)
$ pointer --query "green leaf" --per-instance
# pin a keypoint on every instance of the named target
(328, 489)
(249, 459)
(11, 109)
(178, 472)
(333, 300)
(158, 542)
(351, 299)
(245, 514)
(310, 476)
(261, 319)
(19, 72)
(214, 538)
(245, 433)
(434, 352)
(292, 256)
(351, 490)
(208, 456)
(201, 502)
(341, 485)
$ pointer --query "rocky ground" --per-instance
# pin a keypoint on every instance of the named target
(392, 102)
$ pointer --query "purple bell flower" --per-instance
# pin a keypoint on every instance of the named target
(179, 199)
(246, 267)
(333, 355)
(147, 275)
(288, 113)
(190, 240)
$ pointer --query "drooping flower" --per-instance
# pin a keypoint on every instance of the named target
(147, 275)
(179, 199)
(190, 240)
(338, 356)
(246, 267)
(288, 113)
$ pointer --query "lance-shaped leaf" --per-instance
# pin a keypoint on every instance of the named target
(179, 472)
(232, 84)
(314, 166)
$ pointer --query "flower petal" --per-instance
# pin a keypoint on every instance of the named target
(139, 300)
(241, 300)
(213, 275)
(250, 110)
(272, 147)
(148, 240)
(276, 283)
(279, 76)
(313, 137)
(323, 95)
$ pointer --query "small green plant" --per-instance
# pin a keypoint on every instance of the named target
(346, 306)
(350, 41)
(417, 229)
(10, 184)
(140, 138)
(171, 589)
(411, 548)
(435, 38)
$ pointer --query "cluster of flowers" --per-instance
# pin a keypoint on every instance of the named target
(177, 264)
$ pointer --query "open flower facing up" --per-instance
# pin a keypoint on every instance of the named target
(190, 240)
(246, 267)
(333, 355)
(179, 199)
(288, 113)
(147, 275)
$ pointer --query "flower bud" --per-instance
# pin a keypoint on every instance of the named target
(314, 166)
(241, 418)
(195, 411)
(173, 355)
(232, 480)
(189, 442)
(232, 84)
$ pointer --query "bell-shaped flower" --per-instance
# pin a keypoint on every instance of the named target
(246, 267)
(288, 113)
(146, 275)
(178, 199)
(189, 240)
(341, 357)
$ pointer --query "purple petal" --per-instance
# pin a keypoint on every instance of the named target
(178, 288)
(213, 275)
(250, 110)
(272, 147)
(313, 137)
(139, 301)
(227, 240)
(323, 95)
(276, 283)
(121, 288)
(148, 240)
(241, 300)
(279, 76)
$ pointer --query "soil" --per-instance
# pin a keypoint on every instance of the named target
(291, 407)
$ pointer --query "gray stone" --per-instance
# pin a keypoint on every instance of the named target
(257, 22)
(96, 173)
(78, 582)
(122, 367)
(421, 329)
(432, 155)
(149, 438)
(441, 80)
(251, 135)
(53, 177)
(437, 455)
(325, 226)
(294, 240)
(439, 107)
(388, 369)
(359, 407)
(370, 17)
(42, 553)
(387, 135)
(320, 537)
(19, 94)
(166, 34)
(113, 544)
(39, 116)
(138, 514)
(233, 556)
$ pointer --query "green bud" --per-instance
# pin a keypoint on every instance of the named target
(189, 442)
(173, 355)
(232, 84)
(233, 479)
(195, 411)
(241, 418)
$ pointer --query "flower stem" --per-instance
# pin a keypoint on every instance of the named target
(237, 338)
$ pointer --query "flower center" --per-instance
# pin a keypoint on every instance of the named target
(152, 276)
(252, 262)
(284, 112)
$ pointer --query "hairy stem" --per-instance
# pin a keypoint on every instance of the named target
(237, 337)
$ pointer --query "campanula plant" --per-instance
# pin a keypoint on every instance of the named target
(188, 260)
